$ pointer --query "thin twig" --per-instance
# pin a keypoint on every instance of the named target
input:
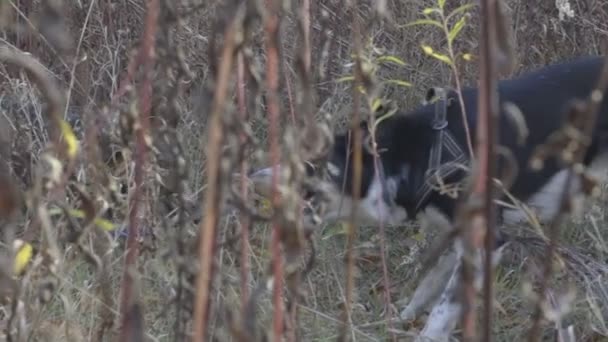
(456, 73)
(357, 175)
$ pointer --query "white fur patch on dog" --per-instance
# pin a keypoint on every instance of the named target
(371, 209)
(431, 287)
(447, 310)
(445, 314)
(545, 203)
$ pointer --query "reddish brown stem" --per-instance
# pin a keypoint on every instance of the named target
(488, 103)
(483, 221)
(146, 55)
(272, 85)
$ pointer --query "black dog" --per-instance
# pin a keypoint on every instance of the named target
(411, 145)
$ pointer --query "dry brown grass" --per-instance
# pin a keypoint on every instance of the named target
(86, 47)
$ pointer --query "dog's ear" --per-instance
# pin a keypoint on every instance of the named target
(262, 180)
(434, 94)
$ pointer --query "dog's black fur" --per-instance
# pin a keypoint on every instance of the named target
(405, 140)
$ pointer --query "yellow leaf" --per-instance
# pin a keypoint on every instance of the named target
(428, 11)
(76, 213)
(345, 79)
(399, 83)
(429, 51)
(98, 221)
(441, 3)
(467, 57)
(24, 254)
(70, 139)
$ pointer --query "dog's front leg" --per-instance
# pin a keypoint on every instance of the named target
(446, 312)
(431, 286)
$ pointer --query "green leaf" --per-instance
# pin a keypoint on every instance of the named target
(391, 59)
(429, 51)
(459, 10)
(399, 83)
(424, 22)
(457, 28)
(428, 11)
(441, 3)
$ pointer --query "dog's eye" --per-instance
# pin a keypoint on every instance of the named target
(309, 168)
(309, 194)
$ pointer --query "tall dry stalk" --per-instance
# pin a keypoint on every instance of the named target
(271, 27)
(206, 249)
(146, 58)
(302, 116)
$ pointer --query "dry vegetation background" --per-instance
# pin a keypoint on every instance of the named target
(72, 287)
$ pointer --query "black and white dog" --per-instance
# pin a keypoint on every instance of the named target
(398, 187)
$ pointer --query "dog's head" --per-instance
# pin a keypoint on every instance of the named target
(383, 178)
